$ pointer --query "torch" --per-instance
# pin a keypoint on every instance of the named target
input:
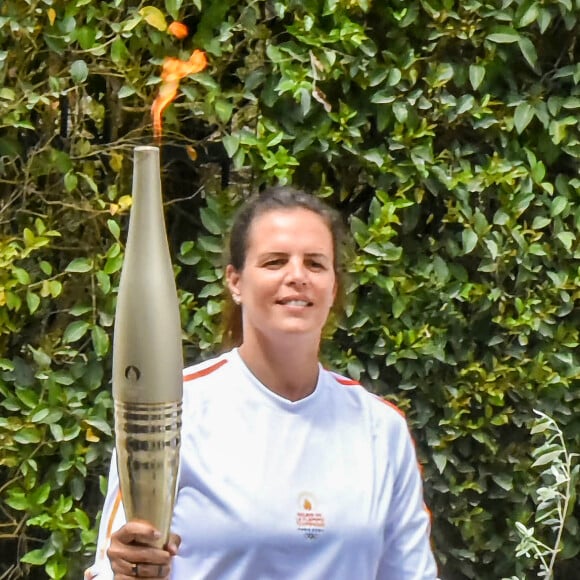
(147, 357)
(147, 353)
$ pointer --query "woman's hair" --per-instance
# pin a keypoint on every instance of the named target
(277, 198)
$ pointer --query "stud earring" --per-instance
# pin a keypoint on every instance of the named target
(236, 298)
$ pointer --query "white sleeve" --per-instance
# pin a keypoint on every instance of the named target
(407, 549)
(112, 518)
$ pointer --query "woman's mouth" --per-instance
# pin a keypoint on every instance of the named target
(295, 302)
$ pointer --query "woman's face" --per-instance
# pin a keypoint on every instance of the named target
(288, 284)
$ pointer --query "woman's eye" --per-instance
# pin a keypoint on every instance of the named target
(316, 265)
(274, 263)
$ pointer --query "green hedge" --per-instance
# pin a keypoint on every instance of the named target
(446, 132)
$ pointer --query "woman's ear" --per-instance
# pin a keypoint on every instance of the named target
(233, 282)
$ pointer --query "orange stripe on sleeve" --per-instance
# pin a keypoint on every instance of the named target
(345, 381)
(206, 371)
(352, 383)
(113, 515)
(393, 406)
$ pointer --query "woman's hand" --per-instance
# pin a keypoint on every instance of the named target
(133, 555)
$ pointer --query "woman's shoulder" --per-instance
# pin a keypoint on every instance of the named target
(356, 391)
(206, 368)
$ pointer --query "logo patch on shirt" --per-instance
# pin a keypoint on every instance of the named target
(309, 520)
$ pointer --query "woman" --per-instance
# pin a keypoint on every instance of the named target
(288, 471)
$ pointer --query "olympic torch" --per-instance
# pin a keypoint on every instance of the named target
(147, 357)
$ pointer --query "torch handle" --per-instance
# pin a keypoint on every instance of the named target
(148, 445)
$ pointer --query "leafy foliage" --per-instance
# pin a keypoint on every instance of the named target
(554, 498)
(446, 132)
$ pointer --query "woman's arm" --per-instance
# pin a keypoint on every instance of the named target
(112, 518)
(407, 551)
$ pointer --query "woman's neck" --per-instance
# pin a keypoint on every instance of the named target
(289, 370)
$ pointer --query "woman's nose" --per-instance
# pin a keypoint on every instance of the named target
(297, 273)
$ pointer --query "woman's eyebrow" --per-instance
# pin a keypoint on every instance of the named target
(317, 255)
(280, 254)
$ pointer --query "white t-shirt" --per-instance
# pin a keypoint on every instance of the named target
(327, 487)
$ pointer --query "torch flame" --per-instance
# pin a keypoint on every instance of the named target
(178, 29)
(174, 69)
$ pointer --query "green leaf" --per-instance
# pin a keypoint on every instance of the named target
(440, 461)
(32, 301)
(211, 221)
(56, 569)
(17, 500)
(173, 7)
(504, 480)
(28, 435)
(538, 172)
(79, 71)
(530, 15)
(57, 432)
(126, 91)
(114, 228)
(540, 222)
(528, 51)
(443, 73)
(536, 250)
(41, 358)
(559, 204)
(7, 94)
(21, 275)
(223, 109)
(394, 77)
(400, 111)
(113, 264)
(80, 265)
(383, 97)
(46, 267)
(469, 240)
(503, 35)
(119, 52)
(540, 427)
(53, 416)
(104, 282)
(86, 36)
(55, 288)
(231, 144)
(100, 340)
(71, 181)
(547, 458)
(375, 157)
(75, 331)
(476, 75)
(100, 424)
(154, 17)
(40, 415)
(36, 557)
(523, 115)
(567, 239)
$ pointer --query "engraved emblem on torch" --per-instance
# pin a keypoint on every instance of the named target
(132, 373)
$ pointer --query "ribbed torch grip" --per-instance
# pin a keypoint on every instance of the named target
(148, 441)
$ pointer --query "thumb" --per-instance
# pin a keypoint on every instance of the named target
(173, 544)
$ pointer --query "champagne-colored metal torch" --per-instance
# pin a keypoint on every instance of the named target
(147, 357)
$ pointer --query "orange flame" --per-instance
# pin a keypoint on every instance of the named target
(172, 72)
(178, 29)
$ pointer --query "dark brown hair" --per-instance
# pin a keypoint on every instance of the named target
(276, 198)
